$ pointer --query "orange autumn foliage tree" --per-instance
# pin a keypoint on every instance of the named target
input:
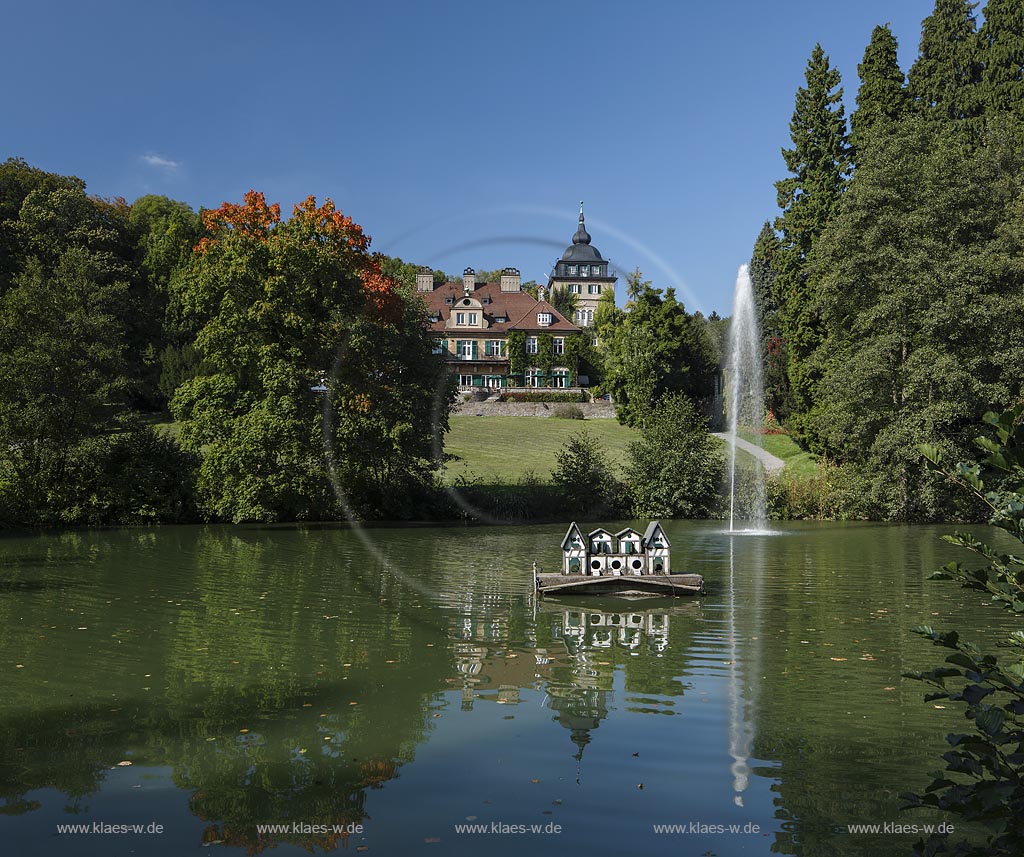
(318, 373)
(325, 224)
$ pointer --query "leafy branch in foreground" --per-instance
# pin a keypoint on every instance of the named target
(988, 762)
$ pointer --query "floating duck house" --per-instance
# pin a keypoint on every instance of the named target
(626, 562)
(625, 552)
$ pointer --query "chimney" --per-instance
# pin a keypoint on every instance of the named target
(468, 280)
(425, 280)
(510, 280)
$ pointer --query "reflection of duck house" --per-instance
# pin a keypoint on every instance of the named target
(628, 629)
(626, 562)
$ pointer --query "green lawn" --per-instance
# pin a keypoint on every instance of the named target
(799, 462)
(508, 447)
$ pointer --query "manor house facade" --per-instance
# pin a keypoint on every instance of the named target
(498, 335)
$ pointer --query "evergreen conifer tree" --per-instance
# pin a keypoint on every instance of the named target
(1002, 56)
(882, 97)
(943, 80)
(820, 163)
(763, 263)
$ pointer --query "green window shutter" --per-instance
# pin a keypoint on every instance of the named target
(475, 352)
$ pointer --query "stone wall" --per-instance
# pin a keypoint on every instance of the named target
(592, 411)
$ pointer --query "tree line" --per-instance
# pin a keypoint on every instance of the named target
(300, 377)
(891, 286)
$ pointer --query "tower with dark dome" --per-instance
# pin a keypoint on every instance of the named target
(584, 272)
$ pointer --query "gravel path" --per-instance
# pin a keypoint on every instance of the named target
(772, 463)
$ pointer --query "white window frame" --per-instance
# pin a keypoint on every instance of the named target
(593, 288)
(560, 378)
(558, 345)
(575, 288)
(533, 377)
(465, 348)
(584, 270)
(590, 317)
(473, 318)
(463, 382)
(531, 345)
(460, 318)
(572, 270)
(544, 319)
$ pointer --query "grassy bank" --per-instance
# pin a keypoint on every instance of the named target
(510, 447)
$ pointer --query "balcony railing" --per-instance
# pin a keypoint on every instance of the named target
(479, 357)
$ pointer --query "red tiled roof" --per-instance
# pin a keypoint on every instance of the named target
(518, 307)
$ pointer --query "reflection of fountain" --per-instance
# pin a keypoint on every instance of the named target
(741, 723)
(746, 396)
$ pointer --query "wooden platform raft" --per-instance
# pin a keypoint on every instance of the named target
(635, 586)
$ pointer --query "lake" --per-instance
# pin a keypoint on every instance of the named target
(402, 691)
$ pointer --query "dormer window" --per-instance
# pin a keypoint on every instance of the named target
(584, 270)
(572, 270)
(543, 319)
(460, 318)
(449, 301)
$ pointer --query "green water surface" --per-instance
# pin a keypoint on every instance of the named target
(374, 690)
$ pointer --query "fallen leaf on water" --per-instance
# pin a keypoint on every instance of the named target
(639, 785)
(243, 730)
(123, 764)
(938, 706)
(353, 703)
(534, 781)
(19, 666)
(889, 688)
(362, 848)
(837, 659)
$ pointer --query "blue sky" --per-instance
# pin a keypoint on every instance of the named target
(456, 133)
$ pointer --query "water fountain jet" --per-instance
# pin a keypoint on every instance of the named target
(746, 395)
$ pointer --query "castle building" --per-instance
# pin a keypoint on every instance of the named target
(583, 272)
(497, 335)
